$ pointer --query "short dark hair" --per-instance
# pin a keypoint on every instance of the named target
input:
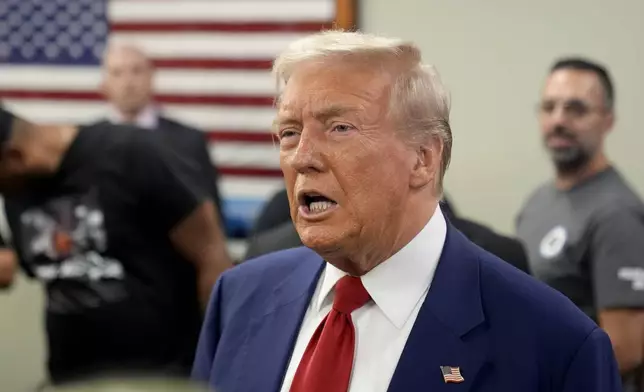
(582, 64)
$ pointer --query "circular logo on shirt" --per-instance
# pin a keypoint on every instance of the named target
(553, 243)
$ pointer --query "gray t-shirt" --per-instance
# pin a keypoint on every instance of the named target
(588, 242)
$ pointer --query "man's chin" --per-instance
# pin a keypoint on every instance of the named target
(320, 238)
(568, 161)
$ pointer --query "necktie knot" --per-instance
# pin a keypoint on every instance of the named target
(350, 295)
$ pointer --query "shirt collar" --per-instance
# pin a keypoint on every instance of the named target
(397, 284)
(147, 118)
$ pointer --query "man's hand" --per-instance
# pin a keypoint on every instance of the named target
(8, 266)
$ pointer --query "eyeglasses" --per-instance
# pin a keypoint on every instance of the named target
(574, 108)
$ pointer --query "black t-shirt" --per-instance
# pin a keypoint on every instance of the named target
(119, 296)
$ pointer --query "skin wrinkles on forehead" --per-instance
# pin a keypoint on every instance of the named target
(327, 96)
(323, 102)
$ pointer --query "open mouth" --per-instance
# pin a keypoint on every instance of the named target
(315, 203)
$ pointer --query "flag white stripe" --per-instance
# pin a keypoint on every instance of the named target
(189, 45)
(221, 11)
(245, 188)
(167, 81)
(220, 117)
(235, 154)
(204, 117)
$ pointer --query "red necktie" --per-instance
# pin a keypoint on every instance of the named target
(327, 362)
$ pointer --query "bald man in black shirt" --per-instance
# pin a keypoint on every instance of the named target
(124, 239)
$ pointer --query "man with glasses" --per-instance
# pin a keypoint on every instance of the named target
(584, 231)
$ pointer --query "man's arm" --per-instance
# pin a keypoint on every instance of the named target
(617, 254)
(8, 267)
(173, 192)
(593, 368)
(625, 328)
(199, 238)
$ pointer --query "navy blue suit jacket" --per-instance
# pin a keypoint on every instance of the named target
(506, 331)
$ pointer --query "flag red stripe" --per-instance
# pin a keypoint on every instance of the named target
(217, 135)
(248, 171)
(241, 136)
(226, 27)
(213, 63)
(163, 98)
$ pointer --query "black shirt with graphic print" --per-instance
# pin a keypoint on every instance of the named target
(119, 298)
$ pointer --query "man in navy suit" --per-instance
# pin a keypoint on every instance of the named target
(386, 295)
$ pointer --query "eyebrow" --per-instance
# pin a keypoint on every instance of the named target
(321, 115)
(565, 101)
(326, 113)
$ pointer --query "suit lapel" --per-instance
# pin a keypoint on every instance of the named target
(272, 336)
(449, 329)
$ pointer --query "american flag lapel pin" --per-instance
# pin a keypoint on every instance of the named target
(452, 374)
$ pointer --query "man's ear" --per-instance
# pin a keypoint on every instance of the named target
(14, 160)
(609, 122)
(426, 167)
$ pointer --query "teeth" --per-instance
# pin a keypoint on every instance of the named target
(320, 206)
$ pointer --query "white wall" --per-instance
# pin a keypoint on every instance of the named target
(22, 341)
(493, 55)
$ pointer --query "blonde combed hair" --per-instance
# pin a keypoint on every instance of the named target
(418, 100)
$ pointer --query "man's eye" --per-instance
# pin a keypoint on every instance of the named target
(342, 128)
(286, 133)
(576, 108)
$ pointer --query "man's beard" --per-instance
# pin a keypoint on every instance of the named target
(567, 159)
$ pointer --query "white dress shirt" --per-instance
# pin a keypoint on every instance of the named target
(398, 288)
(148, 118)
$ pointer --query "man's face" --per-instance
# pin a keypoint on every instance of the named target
(346, 169)
(573, 117)
(127, 80)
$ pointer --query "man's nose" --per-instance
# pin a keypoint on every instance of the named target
(308, 155)
(558, 117)
(558, 114)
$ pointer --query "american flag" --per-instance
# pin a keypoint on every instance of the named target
(213, 60)
(452, 374)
